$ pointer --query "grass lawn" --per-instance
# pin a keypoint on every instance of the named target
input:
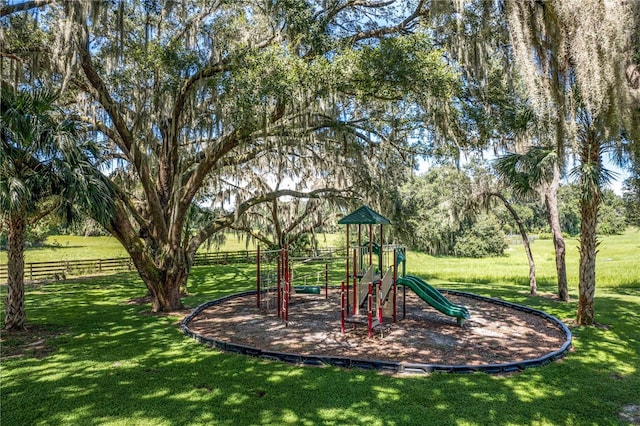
(95, 357)
(71, 247)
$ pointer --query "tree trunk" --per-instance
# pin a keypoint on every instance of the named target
(588, 250)
(15, 315)
(525, 242)
(164, 285)
(589, 205)
(551, 200)
(166, 294)
(162, 274)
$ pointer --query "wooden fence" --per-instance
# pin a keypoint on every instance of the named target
(60, 270)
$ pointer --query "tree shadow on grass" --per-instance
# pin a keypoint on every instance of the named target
(212, 282)
(177, 383)
(114, 365)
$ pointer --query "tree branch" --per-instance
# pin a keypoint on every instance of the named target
(228, 219)
(253, 234)
(333, 12)
(308, 209)
(211, 157)
(403, 26)
(126, 140)
(178, 106)
(44, 212)
(21, 7)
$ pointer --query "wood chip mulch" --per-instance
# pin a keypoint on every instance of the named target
(493, 335)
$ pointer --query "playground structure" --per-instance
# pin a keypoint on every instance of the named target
(245, 329)
(373, 285)
(369, 285)
(275, 284)
(373, 271)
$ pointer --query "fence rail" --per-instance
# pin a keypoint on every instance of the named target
(60, 270)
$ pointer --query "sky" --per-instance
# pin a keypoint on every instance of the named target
(615, 185)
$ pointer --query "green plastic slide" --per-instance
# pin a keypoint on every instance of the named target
(434, 298)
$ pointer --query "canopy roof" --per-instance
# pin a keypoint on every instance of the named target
(364, 216)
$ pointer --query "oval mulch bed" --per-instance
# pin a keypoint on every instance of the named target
(499, 337)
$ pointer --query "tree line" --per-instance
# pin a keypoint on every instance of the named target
(464, 225)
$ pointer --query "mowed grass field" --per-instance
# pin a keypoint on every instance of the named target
(94, 355)
(73, 247)
(618, 264)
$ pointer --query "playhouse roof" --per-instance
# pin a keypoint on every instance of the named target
(364, 216)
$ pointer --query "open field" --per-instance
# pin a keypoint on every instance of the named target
(94, 355)
(618, 264)
(72, 247)
(615, 265)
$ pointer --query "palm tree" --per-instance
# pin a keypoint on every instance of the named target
(44, 168)
(593, 144)
(538, 171)
(578, 69)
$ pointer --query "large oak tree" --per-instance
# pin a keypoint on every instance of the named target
(193, 98)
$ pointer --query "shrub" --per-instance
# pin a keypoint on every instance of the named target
(484, 238)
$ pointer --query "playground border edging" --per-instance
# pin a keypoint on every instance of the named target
(388, 366)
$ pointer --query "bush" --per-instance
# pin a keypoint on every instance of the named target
(485, 238)
(611, 217)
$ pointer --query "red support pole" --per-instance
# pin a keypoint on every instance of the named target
(370, 313)
(347, 254)
(279, 289)
(355, 286)
(404, 290)
(258, 280)
(379, 301)
(342, 307)
(348, 277)
(287, 287)
(290, 275)
(287, 273)
(285, 263)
